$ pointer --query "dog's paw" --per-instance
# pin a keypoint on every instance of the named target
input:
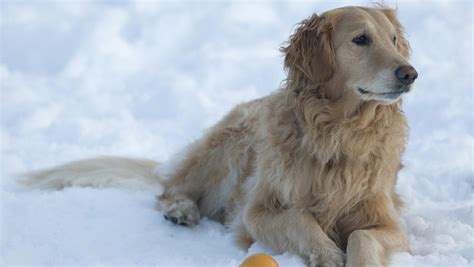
(181, 211)
(333, 257)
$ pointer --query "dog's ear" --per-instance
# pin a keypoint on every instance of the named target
(310, 51)
(403, 45)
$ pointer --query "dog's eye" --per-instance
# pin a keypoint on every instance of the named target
(394, 40)
(361, 40)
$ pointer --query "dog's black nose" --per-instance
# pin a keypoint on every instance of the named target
(406, 74)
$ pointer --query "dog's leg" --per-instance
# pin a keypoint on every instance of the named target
(292, 230)
(373, 247)
(198, 175)
(212, 168)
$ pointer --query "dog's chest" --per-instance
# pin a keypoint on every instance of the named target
(337, 184)
(333, 189)
(328, 166)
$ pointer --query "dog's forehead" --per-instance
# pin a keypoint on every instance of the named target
(355, 18)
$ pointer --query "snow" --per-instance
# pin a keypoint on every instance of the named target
(143, 79)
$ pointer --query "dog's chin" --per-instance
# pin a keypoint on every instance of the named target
(385, 98)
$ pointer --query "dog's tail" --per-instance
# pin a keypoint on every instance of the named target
(99, 172)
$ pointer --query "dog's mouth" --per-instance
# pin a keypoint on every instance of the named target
(391, 95)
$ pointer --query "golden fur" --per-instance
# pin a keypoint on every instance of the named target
(311, 168)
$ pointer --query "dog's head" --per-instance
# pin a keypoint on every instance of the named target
(356, 52)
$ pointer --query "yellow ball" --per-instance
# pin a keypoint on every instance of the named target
(259, 260)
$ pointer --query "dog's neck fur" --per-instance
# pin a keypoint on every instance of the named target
(363, 125)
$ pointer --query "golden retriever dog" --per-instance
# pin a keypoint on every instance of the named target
(309, 169)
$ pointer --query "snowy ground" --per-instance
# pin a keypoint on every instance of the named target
(142, 79)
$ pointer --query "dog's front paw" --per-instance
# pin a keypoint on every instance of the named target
(328, 257)
(182, 211)
(332, 258)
